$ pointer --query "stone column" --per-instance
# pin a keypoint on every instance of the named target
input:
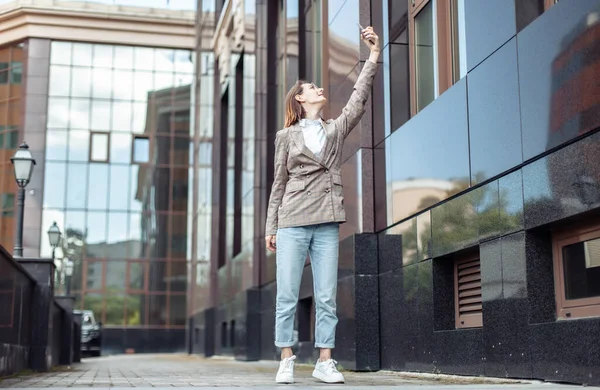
(66, 348)
(42, 270)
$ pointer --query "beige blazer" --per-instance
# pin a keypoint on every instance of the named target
(308, 190)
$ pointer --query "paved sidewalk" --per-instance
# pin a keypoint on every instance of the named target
(183, 372)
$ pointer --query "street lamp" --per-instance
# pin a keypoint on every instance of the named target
(54, 237)
(68, 272)
(23, 164)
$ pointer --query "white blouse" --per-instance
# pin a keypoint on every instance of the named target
(314, 135)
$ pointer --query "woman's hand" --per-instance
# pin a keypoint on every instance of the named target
(271, 242)
(371, 39)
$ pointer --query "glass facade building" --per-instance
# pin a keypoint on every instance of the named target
(119, 160)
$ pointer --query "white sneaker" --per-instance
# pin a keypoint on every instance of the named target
(327, 372)
(285, 374)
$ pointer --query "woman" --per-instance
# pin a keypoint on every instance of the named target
(306, 208)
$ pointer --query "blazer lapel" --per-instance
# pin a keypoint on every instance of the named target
(328, 149)
(298, 139)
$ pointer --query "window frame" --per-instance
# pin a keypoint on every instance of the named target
(572, 308)
(91, 149)
(444, 36)
(140, 136)
(470, 321)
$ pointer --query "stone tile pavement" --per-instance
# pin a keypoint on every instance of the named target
(186, 372)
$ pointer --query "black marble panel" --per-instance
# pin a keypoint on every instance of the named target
(345, 336)
(555, 356)
(459, 352)
(429, 156)
(514, 266)
(490, 254)
(556, 53)
(488, 211)
(562, 184)
(398, 246)
(494, 119)
(540, 277)
(423, 345)
(210, 332)
(358, 255)
(455, 223)
(488, 25)
(511, 202)
(367, 323)
(425, 246)
(505, 338)
(392, 319)
(390, 251)
(443, 292)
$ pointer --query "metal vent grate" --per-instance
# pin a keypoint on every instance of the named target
(467, 275)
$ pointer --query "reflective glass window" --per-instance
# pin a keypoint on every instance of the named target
(99, 147)
(141, 150)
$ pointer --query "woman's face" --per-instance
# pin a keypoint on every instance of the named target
(312, 94)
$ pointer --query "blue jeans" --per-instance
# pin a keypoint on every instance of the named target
(321, 242)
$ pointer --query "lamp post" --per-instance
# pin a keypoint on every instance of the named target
(68, 272)
(54, 237)
(23, 164)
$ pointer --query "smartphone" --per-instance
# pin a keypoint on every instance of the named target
(362, 28)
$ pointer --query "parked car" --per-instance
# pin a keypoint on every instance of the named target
(91, 333)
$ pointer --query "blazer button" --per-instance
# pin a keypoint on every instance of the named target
(308, 193)
(327, 190)
(301, 166)
(327, 171)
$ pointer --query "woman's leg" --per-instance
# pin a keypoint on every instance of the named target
(324, 258)
(292, 248)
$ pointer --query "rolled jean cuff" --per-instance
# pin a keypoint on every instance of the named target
(284, 344)
(320, 345)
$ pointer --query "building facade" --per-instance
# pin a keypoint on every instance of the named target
(471, 184)
(103, 95)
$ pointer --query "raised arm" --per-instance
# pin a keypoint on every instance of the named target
(280, 178)
(355, 108)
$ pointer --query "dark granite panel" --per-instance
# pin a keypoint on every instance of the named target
(511, 202)
(554, 356)
(459, 352)
(556, 53)
(390, 251)
(268, 351)
(398, 246)
(423, 345)
(540, 277)
(494, 120)
(345, 337)
(505, 338)
(367, 322)
(425, 246)
(443, 293)
(488, 212)
(563, 184)
(365, 254)
(514, 266)
(380, 190)
(455, 223)
(391, 314)
(488, 25)
(429, 155)
(210, 332)
(490, 254)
